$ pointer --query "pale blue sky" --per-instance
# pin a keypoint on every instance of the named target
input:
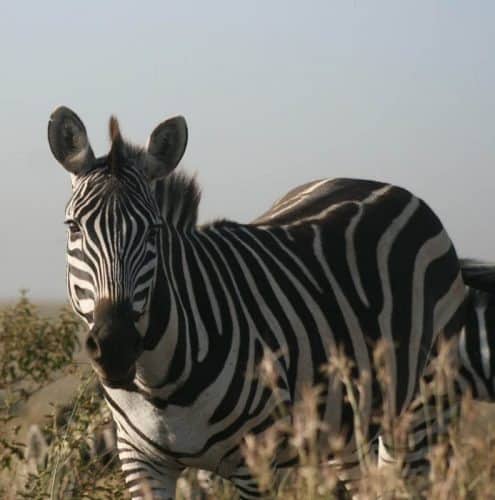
(275, 94)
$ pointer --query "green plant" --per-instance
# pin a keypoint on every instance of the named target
(33, 347)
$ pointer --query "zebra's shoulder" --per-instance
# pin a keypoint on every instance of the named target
(308, 200)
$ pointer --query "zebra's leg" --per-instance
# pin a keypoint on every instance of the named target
(432, 429)
(388, 455)
(429, 427)
(247, 485)
(352, 468)
(147, 479)
(401, 440)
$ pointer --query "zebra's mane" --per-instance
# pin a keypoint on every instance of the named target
(178, 196)
(478, 274)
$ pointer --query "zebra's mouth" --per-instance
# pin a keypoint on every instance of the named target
(126, 382)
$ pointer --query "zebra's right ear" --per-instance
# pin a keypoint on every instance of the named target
(69, 141)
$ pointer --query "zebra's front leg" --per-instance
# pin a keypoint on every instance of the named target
(147, 479)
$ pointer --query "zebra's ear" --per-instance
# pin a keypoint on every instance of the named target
(69, 141)
(165, 147)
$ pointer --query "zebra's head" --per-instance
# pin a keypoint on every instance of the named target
(114, 238)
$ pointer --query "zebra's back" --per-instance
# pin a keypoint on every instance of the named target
(311, 199)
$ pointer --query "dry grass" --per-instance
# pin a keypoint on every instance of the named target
(462, 466)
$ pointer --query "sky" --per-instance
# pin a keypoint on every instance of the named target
(275, 93)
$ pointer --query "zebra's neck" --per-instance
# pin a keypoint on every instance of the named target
(190, 338)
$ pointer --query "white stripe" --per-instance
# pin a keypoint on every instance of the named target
(484, 346)
(385, 317)
(356, 334)
(431, 250)
(209, 288)
(199, 327)
(302, 196)
(466, 362)
(304, 369)
(350, 244)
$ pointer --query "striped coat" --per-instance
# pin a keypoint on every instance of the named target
(470, 362)
(180, 316)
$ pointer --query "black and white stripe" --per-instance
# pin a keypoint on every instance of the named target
(111, 261)
(336, 264)
(471, 363)
(477, 342)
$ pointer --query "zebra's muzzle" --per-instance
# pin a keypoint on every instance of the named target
(126, 382)
(114, 344)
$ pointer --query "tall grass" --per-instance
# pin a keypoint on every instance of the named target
(35, 350)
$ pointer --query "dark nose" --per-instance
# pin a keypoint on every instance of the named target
(114, 343)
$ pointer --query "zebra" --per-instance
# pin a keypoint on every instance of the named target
(180, 315)
(471, 360)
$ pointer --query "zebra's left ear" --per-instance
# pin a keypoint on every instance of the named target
(165, 148)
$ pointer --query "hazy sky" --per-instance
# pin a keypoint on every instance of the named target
(275, 94)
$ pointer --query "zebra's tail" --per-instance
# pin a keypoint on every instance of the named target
(478, 274)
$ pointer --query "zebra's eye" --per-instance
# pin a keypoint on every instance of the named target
(74, 229)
